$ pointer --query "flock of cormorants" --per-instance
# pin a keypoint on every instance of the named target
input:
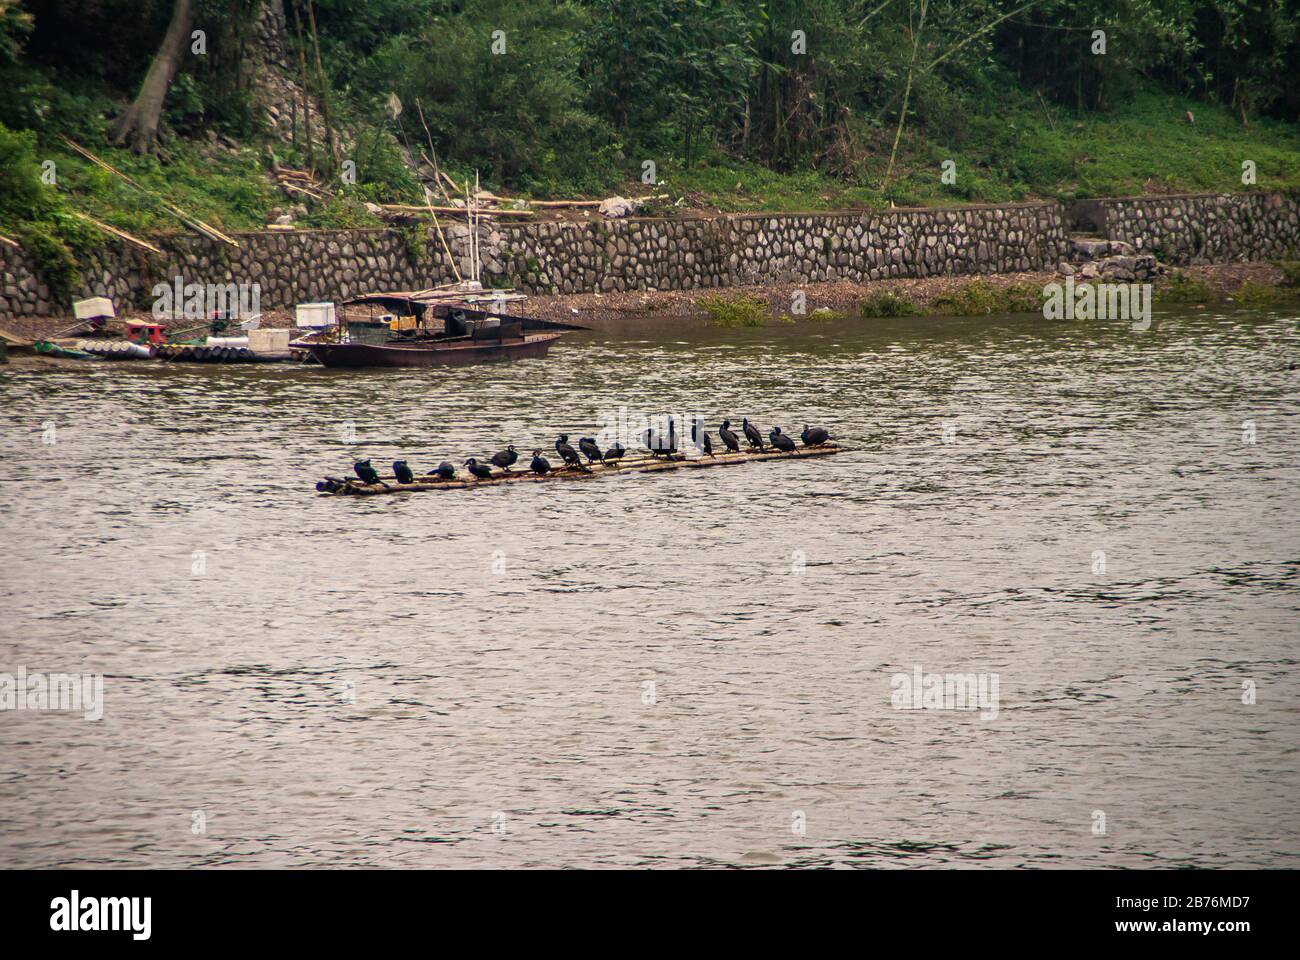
(659, 444)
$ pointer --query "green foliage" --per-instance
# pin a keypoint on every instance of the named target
(719, 94)
(739, 311)
(55, 263)
(980, 298)
(15, 25)
(1290, 272)
(887, 304)
(517, 116)
(37, 215)
(1255, 294)
(22, 194)
(1183, 288)
(415, 242)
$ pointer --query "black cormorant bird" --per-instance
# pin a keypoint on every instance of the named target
(480, 470)
(614, 453)
(540, 464)
(331, 484)
(751, 434)
(570, 455)
(445, 471)
(366, 472)
(590, 450)
(506, 458)
(780, 440)
(403, 472)
(729, 439)
(706, 444)
(814, 436)
(657, 444)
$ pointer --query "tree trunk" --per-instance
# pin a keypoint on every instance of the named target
(139, 124)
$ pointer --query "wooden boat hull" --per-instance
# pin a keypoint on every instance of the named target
(436, 354)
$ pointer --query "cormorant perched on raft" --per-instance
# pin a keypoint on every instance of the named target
(752, 435)
(445, 471)
(331, 484)
(480, 470)
(654, 440)
(506, 458)
(366, 473)
(780, 440)
(589, 449)
(707, 445)
(813, 437)
(403, 472)
(540, 465)
(571, 458)
(729, 439)
(614, 453)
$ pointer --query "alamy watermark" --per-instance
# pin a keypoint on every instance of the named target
(179, 300)
(919, 690)
(82, 692)
(1098, 301)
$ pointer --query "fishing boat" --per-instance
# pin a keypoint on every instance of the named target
(450, 326)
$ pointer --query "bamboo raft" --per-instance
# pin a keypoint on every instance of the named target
(645, 464)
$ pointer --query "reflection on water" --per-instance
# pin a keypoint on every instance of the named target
(674, 669)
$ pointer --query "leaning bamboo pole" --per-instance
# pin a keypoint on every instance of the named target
(189, 220)
(120, 234)
(629, 466)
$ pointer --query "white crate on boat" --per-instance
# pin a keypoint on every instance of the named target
(92, 308)
(315, 315)
(269, 340)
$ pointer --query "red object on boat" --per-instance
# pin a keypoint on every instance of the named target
(145, 331)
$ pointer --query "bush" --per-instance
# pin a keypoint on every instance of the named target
(1290, 272)
(1185, 289)
(887, 304)
(734, 312)
(1256, 294)
(981, 298)
(55, 264)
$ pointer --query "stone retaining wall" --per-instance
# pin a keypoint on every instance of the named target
(649, 254)
(1206, 228)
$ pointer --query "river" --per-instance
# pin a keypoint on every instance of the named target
(694, 668)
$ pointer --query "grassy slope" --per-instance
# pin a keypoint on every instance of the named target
(1145, 146)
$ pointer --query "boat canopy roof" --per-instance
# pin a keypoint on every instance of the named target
(416, 303)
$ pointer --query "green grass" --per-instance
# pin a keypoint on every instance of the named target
(886, 304)
(1254, 294)
(980, 298)
(1183, 288)
(1011, 152)
(739, 311)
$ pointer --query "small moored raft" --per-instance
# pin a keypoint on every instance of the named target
(610, 467)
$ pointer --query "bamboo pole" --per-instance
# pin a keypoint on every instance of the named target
(306, 89)
(907, 92)
(176, 211)
(330, 133)
(122, 234)
(413, 208)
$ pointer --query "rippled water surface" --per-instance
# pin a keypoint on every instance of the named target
(352, 681)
